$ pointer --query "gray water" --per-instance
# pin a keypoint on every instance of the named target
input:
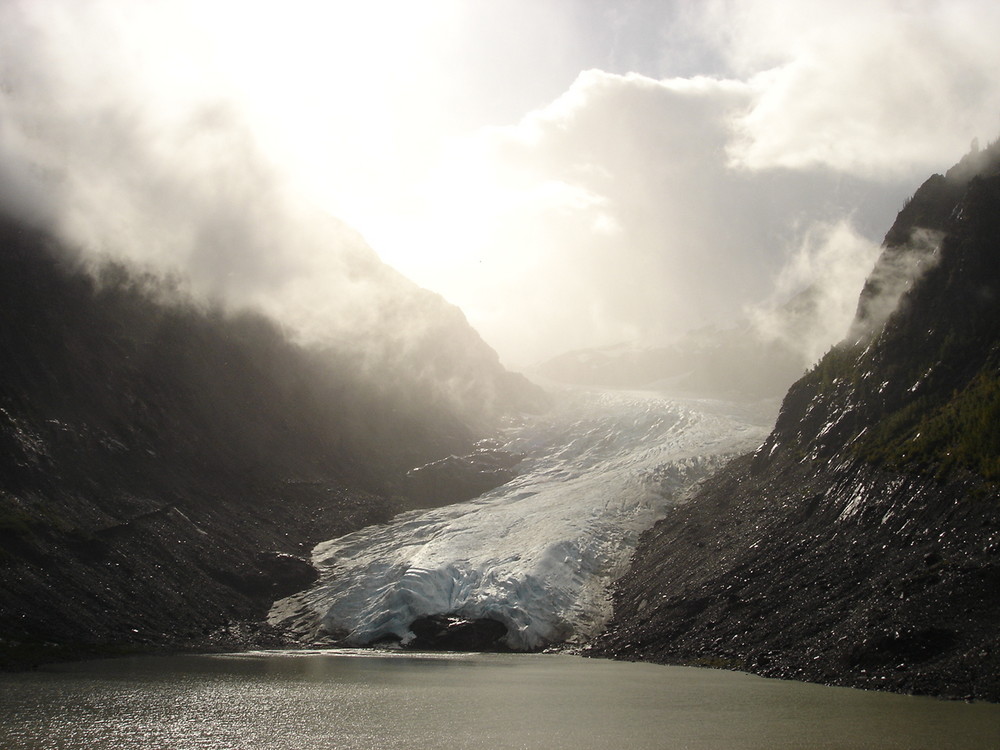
(380, 700)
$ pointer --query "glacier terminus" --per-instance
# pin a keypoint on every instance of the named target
(537, 554)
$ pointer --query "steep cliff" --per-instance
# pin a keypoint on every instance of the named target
(860, 544)
(162, 461)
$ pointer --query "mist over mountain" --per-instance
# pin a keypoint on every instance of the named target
(742, 361)
(858, 545)
(164, 459)
(761, 351)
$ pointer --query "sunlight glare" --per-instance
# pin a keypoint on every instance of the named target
(343, 95)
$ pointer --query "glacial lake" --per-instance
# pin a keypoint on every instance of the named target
(377, 700)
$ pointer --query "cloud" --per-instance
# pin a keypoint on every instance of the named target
(720, 192)
(201, 136)
(816, 293)
(570, 215)
(620, 216)
(892, 275)
(131, 156)
(872, 87)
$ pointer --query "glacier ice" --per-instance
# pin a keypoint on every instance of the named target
(538, 553)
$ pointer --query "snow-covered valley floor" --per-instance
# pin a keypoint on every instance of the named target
(538, 553)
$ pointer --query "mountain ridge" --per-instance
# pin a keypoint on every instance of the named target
(165, 464)
(857, 545)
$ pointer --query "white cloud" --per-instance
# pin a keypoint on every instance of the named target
(583, 204)
(692, 239)
(130, 155)
(828, 268)
(873, 87)
(627, 206)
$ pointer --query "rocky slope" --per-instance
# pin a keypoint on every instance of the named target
(163, 463)
(860, 545)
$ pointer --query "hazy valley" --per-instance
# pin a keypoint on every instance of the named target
(168, 467)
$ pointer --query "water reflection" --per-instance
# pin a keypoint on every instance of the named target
(319, 700)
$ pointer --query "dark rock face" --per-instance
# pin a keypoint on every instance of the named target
(796, 575)
(860, 545)
(271, 575)
(455, 633)
(151, 448)
(457, 478)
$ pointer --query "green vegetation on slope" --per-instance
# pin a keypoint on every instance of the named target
(960, 433)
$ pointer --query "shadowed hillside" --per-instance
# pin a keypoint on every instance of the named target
(156, 455)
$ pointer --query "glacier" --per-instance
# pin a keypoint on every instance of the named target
(538, 553)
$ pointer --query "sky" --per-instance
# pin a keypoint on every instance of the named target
(570, 174)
